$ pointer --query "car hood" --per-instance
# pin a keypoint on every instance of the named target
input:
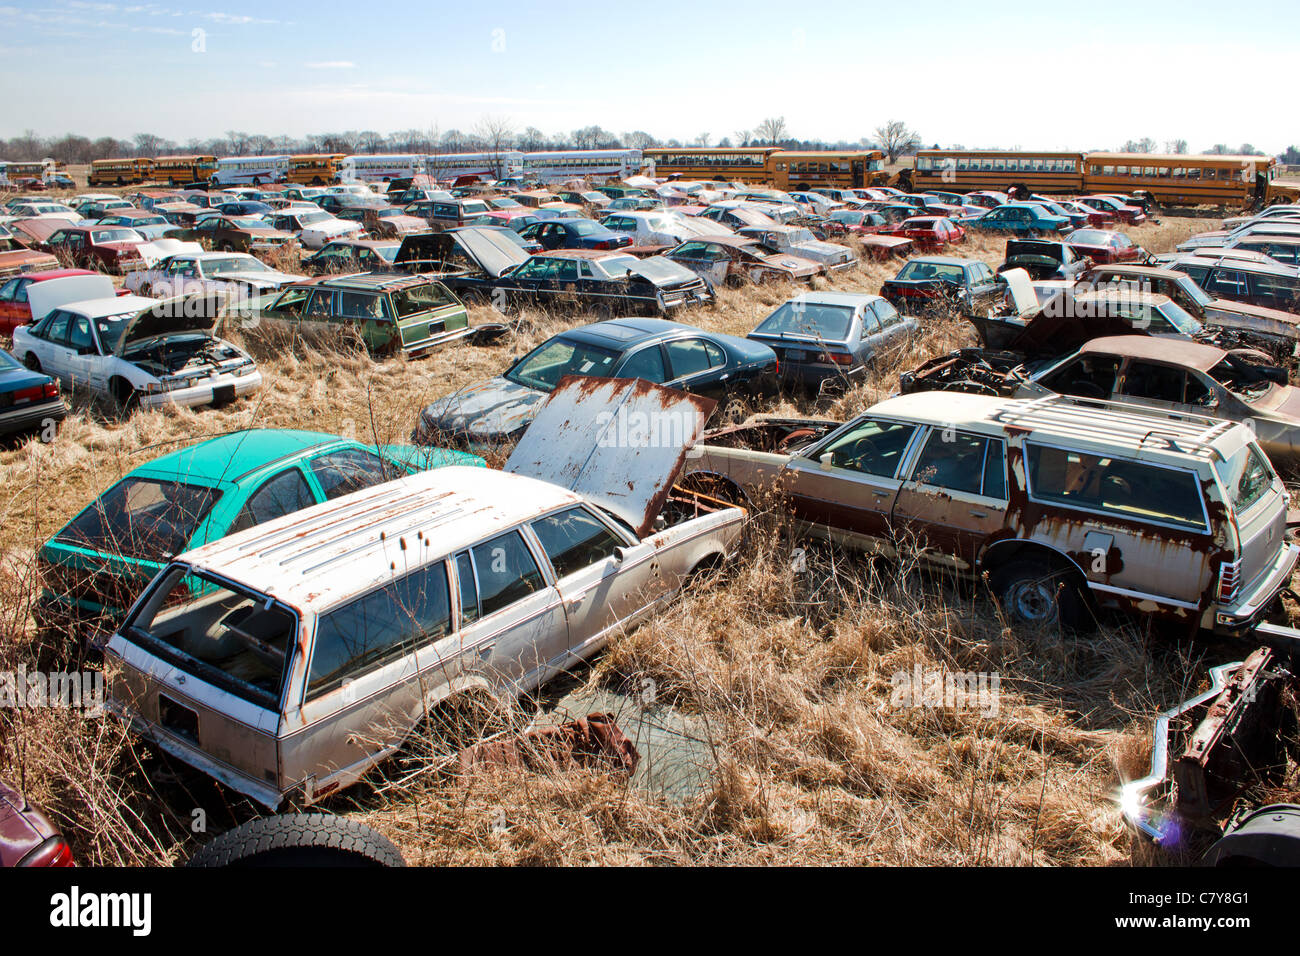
(493, 254)
(618, 442)
(260, 279)
(490, 411)
(822, 251)
(175, 316)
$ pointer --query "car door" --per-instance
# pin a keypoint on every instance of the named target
(86, 367)
(1167, 387)
(51, 347)
(954, 498)
(602, 578)
(843, 489)
(512, 620)
(283, 493)
(699, 366)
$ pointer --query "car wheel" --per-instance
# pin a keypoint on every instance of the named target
(125, 396)
(1269, 836)
(1037, 594)
(299, 839)
(32, 362)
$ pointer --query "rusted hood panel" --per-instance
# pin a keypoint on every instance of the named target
(619, 442)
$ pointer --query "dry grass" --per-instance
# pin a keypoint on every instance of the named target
(789, 672)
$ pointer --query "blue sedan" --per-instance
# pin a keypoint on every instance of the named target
(29, 401)
(829, 339)
(1020, 219)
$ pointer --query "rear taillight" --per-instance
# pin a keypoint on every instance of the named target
(53, 852)
(836, 358)
(1229, 581)
(48, 390)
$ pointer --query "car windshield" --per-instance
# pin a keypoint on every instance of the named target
(586, 228)
(800, 235)
(387, 253)
(615, 267)
(150, 221)
(1092, 237)
(1179, 318)
(248, 222)
(504, 203)
(798, 317)
(920, 270)
(101, 236)
(311, 218)
(228, 264)
(147, 519)
(848, 215)
(545, 365)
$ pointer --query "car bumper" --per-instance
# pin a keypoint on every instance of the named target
(841, 266)
(1247, 612)
(220, 388)
(36, 417)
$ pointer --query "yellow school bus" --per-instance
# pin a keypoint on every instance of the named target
(747, 164)
(1182, 179)
(843, 170)
(315, 169)
(183, 170)
(965, 170)
(120, 172)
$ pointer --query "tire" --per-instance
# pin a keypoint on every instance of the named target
(1270, 836)
(125, 397)
(299, 839)
(1036, 593)
(32, 362)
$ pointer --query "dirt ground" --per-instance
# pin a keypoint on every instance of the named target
(788, 672)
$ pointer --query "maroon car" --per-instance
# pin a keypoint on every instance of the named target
(1131, 215)
(27, 837)
(928, 232)
(105, 248)
(1103, 246)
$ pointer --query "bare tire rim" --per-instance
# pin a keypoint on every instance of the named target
(1033, 601)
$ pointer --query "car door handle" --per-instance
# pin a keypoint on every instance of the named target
(976, 513)
(574, 603)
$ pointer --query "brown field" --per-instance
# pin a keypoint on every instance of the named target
(789, 673)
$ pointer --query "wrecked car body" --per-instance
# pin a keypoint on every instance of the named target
(1067, 505)
(287, 660)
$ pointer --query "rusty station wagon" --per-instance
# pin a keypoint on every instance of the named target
(1066, 504)
(288, 659)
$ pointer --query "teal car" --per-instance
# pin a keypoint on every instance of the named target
(1020, 219)
(92, 570)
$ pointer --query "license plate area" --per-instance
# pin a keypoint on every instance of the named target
(223, 394)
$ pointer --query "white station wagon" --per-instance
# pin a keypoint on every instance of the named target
(132, 349)
(290, 658)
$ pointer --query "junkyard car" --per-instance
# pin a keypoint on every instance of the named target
(238, 234)
(942, 283)
(1283, 228)
(496, 412)
(829, 339)
(27, 836)
(389, 313)
(97, 563)
(16, 258)
(799, 241)
(194, 272)
(29, 401)
(288, 659)
(1104, 246)
(315, 228)
(391, 222)
(1044, 259)
(150, 225)
(611, 281)
(14, 307)
(469, 261)
(1064, 503)
(106, 248)
(1130, 215)
(1270, 286)
(134, 350)
(342, 256)
(732, 260)
(1020, 219)
(574, 234)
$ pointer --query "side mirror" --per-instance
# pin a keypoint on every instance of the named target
(620, 554)
(826, 459)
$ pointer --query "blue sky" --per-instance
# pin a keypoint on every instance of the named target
(1034, 75)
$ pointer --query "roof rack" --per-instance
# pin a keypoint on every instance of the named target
(1181, 432)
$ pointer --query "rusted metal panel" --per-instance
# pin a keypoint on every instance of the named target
(591, 741)
(619, 442)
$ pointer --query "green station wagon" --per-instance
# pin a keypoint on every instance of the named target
(392, 313)
(96, 565)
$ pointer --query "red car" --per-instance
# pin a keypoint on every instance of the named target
(1101, 218)
(27, 837)
(14, 310)
(928, 232)
(105, 248)
(1103, 246)
(1131, 215)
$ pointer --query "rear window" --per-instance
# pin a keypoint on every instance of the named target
(422, 298)
(1126, 489)
(142, 518)
(830, 322)
(1245, 477)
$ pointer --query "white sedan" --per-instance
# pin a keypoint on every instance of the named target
(193, 273)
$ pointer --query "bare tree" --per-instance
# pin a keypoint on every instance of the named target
(896, 139)
(1144, 145)
(639, 139)
(147, 144)
(372, 141)
(1176, 146)
(772, 130)
(701, 140)
(497, 133)
(742, 137)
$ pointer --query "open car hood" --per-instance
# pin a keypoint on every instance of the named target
(618, 442)
(493, 253)
(197, 313)
(152, 252)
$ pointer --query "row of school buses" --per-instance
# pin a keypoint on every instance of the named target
(1177, 179)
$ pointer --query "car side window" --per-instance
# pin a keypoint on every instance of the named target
(1091, 376)
(283, 494)
(320, 305)
(343, 472)
(574, 540)
(57, 330)
(1161, 383)
(687, 357)
(9, 290)
(506, 572)
(957, 461)
(870, 447)
(380, 627)
(468, 588)
(80, 339)
(292, 301)
(647, 364)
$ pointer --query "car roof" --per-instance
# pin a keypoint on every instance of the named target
(1173, 436)
(851, 299)
(1243, 265)
(621, 333)
(943, 260)
(233, 456)
(373, 281)
(1150, 348)
(580, 254)
(326, 554)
